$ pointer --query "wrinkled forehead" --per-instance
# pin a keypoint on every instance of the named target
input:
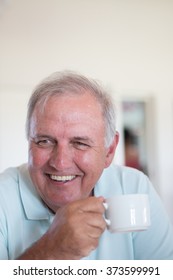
(74, 114)
(85, 102)
(68, 109)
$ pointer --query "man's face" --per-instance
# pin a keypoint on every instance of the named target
(67, 151)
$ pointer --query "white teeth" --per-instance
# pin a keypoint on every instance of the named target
(62, 178)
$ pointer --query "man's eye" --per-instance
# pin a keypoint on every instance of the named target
(45, 143)
(81, 145)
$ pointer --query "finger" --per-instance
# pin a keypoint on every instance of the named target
(92, 204)
(95, 222)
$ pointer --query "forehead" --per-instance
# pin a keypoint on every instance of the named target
(70, 113)
(70, 105)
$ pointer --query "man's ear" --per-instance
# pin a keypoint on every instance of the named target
(111, 150)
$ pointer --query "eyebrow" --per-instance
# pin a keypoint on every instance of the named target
(76, 138)
(83, 138)
(40, 136)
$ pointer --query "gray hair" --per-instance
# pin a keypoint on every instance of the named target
(69, 82)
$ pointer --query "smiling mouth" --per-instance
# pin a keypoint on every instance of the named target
(62, 179)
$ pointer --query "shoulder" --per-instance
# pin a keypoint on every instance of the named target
(10, 177)
(123, 180)
(9, 184)
(122, 171)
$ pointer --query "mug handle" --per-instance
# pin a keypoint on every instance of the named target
(108, 222)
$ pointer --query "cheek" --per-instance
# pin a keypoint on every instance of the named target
(83, 159)
(37, 158)
(92, 162)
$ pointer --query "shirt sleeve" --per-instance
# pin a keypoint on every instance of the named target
(3, 251)
(3, 241)
(156, 242)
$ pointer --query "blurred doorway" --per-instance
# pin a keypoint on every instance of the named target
(138, 126)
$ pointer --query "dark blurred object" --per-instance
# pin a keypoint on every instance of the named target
(132, 158)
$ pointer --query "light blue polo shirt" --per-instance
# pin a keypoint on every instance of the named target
(24, 217)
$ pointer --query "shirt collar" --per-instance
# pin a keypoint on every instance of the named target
(33, 205)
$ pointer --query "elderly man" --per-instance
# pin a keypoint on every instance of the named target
(52, 207)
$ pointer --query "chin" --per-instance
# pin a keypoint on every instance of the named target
(55, 204)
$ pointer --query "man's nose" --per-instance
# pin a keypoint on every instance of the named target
(61, 157)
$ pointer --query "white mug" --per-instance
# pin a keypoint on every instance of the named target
(125, 213)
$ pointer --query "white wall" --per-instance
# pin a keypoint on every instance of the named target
(126, 44)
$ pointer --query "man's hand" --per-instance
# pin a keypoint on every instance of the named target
(74, 233)
(76, 229)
